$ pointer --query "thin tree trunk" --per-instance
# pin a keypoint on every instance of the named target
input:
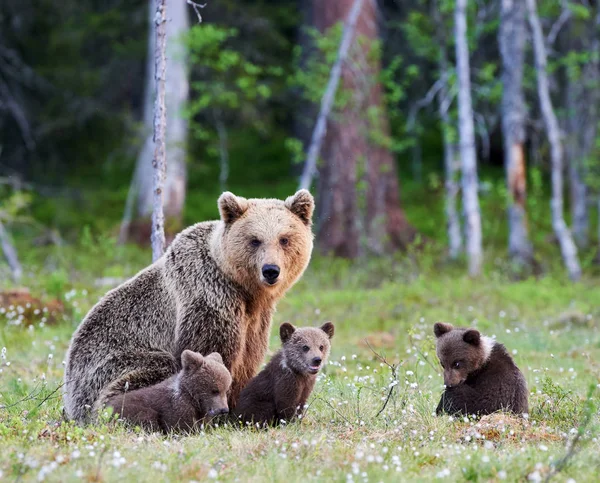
(11, 254)
(512, 49)
(140, 199)
(567, 246)
(223, 154)
(467, 144)
(310, 167)
(576, 152)
(160, 121)
(451, 172)
(451, 160)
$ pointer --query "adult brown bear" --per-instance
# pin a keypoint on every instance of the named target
(214, 290)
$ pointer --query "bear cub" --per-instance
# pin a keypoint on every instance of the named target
(479, 374)
(182, 402)
(280, 391)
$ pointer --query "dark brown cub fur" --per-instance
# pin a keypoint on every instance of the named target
(181, 402)
(479, 374)
(280, 391)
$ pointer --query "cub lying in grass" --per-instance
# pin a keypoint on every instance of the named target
(479, 374)
(280, 391)
(181, 402)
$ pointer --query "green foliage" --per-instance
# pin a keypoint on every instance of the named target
(230, 85)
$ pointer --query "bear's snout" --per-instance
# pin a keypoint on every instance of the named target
(317, 361)
(218, 411)
(270, 273)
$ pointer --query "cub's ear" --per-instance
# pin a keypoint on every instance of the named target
(472, 336)
(302, 204)
(439, 329)
(328, 328)
(215, 356)
(191, 360)
(285, 331)
(231, 207)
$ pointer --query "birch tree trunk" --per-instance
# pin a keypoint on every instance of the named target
(160, 121)
(577, 125)
(451, 172)
(451, 160)
(467, 144)
(512, 50)
(567, 246)
(10, 254)
(140, 198)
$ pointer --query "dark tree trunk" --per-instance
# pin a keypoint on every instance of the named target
(349, 146)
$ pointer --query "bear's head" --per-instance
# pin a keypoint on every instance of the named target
(460, 351)
(204, 382)
(265, 244)
(306, 350)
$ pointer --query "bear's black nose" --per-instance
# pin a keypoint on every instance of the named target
(223, 411)
(270, 272)
(317, 361)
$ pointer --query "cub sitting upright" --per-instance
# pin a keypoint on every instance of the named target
(181, 402)
(279, 392)
(479, 374)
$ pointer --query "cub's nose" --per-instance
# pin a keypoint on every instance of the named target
(270, 272)
(317, 361)
(223, 411)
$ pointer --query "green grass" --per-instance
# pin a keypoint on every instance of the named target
(551, 325)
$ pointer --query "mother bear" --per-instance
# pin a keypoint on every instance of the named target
(214, 290)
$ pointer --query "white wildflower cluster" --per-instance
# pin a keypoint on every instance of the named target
(157, 465)
(372, 456)
(117, 460)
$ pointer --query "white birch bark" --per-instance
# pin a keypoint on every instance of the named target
(160, 120)
(177, 92)
(11, 254)
(512, 49)
(567, 246)
(466, 130)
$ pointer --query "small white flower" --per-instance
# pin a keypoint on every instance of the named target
(502, 474)
(535, 476)
(212, 474)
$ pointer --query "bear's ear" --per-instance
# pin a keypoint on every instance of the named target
(439, 329)
(302, 204)
(472, 337)
(231, 207)
(285, 331)
(328, 328)
(191, 360)
(215, 356)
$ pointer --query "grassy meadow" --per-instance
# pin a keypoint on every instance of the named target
(371, 417)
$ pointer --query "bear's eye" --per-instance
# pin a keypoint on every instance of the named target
(456, 365)
(255, 242)
(216, 392)
(305, 348)
(321, 348)
(284, 241)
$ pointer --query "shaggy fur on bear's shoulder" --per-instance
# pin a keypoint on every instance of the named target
(214, 290)
(280, 391)
(479, 374)
(182, 402)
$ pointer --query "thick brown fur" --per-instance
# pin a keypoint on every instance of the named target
(479, 374)
(182, 402)
(280, 391)
(207, 293)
